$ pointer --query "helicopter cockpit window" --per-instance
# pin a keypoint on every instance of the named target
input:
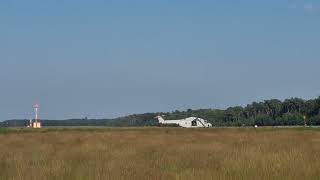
(194, 123)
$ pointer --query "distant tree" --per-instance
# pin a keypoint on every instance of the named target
(274, 107)
(293, 105)
(292, 119)
(314, 121)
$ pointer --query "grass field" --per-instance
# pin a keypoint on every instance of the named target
(159, 153)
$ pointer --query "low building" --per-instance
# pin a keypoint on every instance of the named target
(35, 124)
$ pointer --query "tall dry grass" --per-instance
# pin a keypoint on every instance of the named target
(160, 153)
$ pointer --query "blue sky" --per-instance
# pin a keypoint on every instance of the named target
(112, 58)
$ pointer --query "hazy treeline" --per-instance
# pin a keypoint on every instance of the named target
(294, 111)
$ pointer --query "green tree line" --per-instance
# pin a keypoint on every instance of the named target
(274, 112)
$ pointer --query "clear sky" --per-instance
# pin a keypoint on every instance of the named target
(116, 57)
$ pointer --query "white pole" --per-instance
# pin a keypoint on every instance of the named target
(36, 117)
(36, 113)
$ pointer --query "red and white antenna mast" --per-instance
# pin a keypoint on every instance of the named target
(36, 110)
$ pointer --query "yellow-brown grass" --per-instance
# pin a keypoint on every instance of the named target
(160, 153)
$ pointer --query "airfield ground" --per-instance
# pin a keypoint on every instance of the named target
(159, 153)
